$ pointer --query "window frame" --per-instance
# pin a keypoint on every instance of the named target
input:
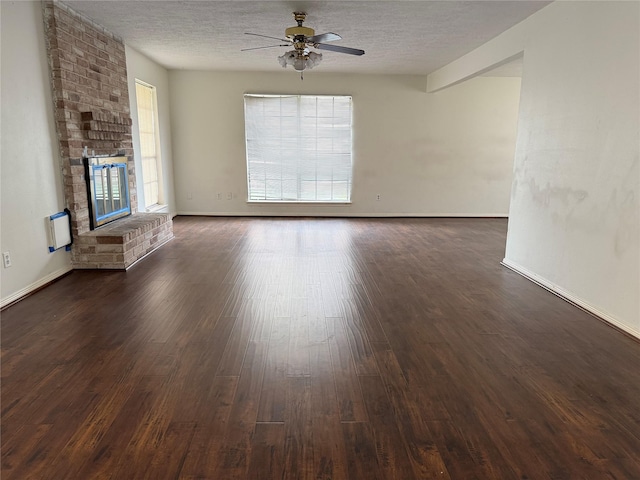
(160, 203)
(299, 175)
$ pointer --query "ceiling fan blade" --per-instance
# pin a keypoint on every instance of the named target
(324, 37)
(267, 36)
(338, 48)
(268, 46)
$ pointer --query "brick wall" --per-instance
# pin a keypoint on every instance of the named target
(91, 104)
(91, 100)
(120, 244)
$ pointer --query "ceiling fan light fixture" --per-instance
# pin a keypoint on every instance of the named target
(303, 38)
(300, 61)
(313, 59)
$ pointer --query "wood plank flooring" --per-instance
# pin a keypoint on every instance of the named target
(316, 349)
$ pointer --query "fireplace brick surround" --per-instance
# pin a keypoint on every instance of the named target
(91, 104)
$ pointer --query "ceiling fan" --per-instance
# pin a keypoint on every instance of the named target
(302, 39)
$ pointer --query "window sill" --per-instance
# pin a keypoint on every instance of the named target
(157, 208)
(293, 202)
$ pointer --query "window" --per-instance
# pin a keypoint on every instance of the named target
(149, 151)
(298, 148)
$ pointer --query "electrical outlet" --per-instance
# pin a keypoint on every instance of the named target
(219, 196)
(189, 196)
(378, 197)
(229, 195)
(6, 259)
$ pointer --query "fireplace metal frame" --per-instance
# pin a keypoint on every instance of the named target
(107, 189)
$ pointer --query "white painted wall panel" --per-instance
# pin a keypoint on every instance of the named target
(448, 153)
(574, 218)
(31, 175)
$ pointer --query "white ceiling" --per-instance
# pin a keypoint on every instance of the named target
(400, 37)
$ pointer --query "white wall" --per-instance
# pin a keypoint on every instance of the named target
(31, 176)
(448, 153)
(142, 68)
(575, 217)
(574, 222)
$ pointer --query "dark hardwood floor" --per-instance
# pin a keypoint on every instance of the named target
(316, 349)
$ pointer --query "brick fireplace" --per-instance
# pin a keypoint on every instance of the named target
(91, 104)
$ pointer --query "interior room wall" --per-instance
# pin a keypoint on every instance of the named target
(142, 68)
(575, 217)
(31, 175)
(574, 221)
(448, 153)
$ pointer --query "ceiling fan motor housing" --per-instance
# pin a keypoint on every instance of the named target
(293, 32)
(298, 35)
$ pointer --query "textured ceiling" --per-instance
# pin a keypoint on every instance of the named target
(401, 37)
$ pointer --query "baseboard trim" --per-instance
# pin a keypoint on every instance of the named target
(571, 298)
(343, 215)
(34, 287)
(48, 279)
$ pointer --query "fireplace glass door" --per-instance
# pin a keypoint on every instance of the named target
(108, 189)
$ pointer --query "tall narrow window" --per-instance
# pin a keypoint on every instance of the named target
(147, 124)
(298, 148)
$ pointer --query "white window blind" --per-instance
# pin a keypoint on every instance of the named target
(147, 117)
(298, 148)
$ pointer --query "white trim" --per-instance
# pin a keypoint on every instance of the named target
(152, 90)
(306, 213)
(34, 286)
(569, 297)
(320, 203)
(157, 208)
